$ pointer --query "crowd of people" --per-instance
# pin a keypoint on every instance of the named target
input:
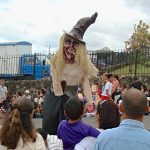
(119, 110)
(70, 132)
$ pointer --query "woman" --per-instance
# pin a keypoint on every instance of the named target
(115, 87)
(17, 131)
(107, 116)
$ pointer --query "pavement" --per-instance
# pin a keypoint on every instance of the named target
(89, 120)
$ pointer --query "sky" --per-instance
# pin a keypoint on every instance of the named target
(41, 22)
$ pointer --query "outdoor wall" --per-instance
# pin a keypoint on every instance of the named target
(13, 86)
(127, 80)
(31, 85)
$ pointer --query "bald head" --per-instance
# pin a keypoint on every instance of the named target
(134, 102)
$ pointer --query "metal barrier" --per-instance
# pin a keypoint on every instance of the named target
(122, 62)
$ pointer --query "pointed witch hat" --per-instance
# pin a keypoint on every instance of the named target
(81, 26)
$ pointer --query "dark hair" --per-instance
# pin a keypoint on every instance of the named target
(18, 124)
(74, 108)
(42, 132)
(109, 116)
(109, 75)
(117, 77)
(134, 102)
(144, 88)
(19, 93)
(135, 78)
(123, 86)
(42, 91)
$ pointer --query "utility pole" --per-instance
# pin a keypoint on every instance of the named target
(49, 51)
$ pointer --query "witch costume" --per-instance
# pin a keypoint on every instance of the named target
(71, 64)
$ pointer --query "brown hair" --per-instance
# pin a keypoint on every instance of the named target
(109, 116)
(18, 124)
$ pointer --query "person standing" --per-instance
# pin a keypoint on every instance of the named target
(107, 88)
(131, 134)
(3, 90)
(3, 94)
(71, 62)
(115, 87)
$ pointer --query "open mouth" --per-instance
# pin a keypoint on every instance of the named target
(70, 54)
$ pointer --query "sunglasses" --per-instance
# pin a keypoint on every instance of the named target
(70, 42)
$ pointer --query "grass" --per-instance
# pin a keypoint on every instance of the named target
(127, 70)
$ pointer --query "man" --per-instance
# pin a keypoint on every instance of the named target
(71, 62)
(130, 135)
(137, 84)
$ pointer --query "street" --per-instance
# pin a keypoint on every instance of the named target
(89, 120)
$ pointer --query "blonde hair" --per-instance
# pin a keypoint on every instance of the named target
(81, 58)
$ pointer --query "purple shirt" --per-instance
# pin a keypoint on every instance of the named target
(71, 134)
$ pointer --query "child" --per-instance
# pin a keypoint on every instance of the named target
(107, 88)
(73, 130)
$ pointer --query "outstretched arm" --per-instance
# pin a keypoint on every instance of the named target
(87, 89)
(55, 79)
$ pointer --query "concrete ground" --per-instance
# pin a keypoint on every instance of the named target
(88, 120)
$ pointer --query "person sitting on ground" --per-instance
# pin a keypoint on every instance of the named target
(148, 99)
(131, 134)
(73, 130)
(107, 117)
(27, 94)
(137, 84)
(17, 131)
(18, 94)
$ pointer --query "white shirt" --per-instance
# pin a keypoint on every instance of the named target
(107, 86)
(54, 143)
(37, 145)
(87, 143)
(3, 91)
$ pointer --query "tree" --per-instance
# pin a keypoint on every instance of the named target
(136, 45)
(140, 39)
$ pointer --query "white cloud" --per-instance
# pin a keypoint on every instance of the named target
(41, 21)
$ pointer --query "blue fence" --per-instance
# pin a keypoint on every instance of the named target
(27, 66)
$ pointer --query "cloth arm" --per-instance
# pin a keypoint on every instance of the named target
(87, 90)
(56, 83)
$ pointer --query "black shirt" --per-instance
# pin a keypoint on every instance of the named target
(137, 84)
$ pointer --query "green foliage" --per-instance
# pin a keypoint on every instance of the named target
(140, 39)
